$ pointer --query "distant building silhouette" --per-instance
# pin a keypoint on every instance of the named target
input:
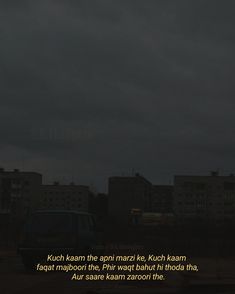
(19, 192)
(162, 198)
(126, 193)
(99, 204)
(69, 197)
(210, 198)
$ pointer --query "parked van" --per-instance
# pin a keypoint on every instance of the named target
(57, 232)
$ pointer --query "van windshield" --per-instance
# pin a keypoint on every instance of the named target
(50, 222)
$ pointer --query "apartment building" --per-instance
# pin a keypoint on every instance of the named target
(19, 192)
(209, 197)
(68, 197)
(162, 198)
(127, 193)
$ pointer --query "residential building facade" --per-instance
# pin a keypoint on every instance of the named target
(127, 193)
(65, 197)
(19, 192)
(210, 198)
(162, 198)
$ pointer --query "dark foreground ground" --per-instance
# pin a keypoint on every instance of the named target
(214, 276)
(211, 249)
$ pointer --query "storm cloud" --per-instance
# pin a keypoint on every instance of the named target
(90, 89)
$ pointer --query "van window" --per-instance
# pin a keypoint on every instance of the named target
(50, 222)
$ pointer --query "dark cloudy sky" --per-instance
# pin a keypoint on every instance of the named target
(97, 88)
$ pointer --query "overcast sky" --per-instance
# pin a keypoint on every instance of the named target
(90, 89)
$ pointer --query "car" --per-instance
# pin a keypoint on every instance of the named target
(57, 232)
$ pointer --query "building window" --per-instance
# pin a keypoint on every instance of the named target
(229, 186)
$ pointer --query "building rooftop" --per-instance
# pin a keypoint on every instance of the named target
(17, 171)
